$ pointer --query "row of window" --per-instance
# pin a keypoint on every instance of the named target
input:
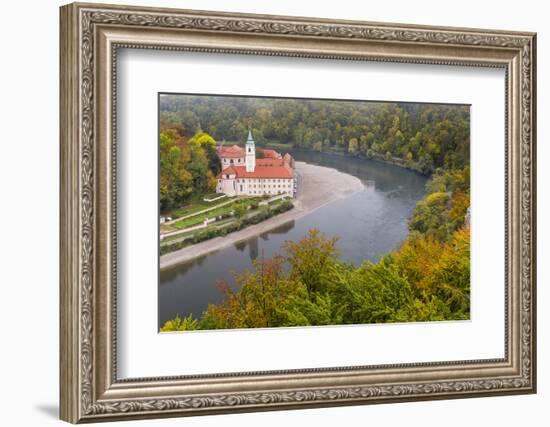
(274, 186)
(284, 182)
(257, 192)
(263, 180)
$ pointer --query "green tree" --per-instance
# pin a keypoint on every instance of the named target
(178, 324)
(310, 258)
(431, 216)
(175, 179)
(260, 153)
(259, 302)
(318, 146)
(353, 146)
(373, 293)
(239, 211)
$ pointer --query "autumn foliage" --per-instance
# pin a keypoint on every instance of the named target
(187, 167)
(306, 284)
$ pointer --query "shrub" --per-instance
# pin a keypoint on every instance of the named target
(211, 232)
(179, 324)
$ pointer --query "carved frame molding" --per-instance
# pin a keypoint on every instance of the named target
(90, 37)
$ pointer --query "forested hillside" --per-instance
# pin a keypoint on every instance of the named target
(420, 136)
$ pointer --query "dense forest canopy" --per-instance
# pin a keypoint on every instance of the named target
(422, 136)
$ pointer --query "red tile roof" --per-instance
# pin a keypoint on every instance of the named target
(268, 172)
(232, 152)
(272, 166)
(269, 162)
(271, 154)
(227, 171)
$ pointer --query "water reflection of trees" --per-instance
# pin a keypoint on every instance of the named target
(253, 243)
(369, 185)
(169, 274)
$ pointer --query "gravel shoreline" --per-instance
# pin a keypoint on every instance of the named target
(318, 185)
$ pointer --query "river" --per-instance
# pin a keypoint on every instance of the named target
(368, 224)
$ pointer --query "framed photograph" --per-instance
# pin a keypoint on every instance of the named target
(266, 212)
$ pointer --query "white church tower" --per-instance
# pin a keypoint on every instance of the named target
(250, 153)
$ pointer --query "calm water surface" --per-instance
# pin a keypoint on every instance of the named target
(368, 224)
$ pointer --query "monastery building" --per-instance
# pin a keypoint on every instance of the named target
(244, 175)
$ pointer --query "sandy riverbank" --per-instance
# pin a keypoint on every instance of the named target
(317, 186)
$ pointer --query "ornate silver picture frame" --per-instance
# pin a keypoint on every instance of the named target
(91, 34)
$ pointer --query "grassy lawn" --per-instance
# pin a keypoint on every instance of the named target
(196, 206)
(217, 224)
(211, 196)
(222, 227)
(166, 228)
(224, 210)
